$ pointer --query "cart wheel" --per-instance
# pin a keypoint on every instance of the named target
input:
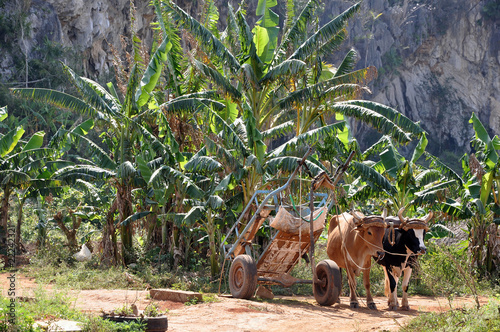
(329, 293)
(243, 277)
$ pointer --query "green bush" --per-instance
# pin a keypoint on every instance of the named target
(484, 319)
(443, 271)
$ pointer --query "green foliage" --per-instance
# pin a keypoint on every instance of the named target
(444, 271)
(152, 310)
(484, 319)
(491, 10)
(102, 325)
(56, 305)
(391, 61)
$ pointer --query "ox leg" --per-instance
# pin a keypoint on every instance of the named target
(351, 277)
(387, 288)
(366, 281)
(392, 299)
(406, 281)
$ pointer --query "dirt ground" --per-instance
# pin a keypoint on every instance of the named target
(284, 313)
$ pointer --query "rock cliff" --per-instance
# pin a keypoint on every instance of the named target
(438, 60)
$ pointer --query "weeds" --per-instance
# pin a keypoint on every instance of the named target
(484, 319)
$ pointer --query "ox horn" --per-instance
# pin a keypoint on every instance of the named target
(428, 217)
(401, 218)
(400, 214)
(357, 217)
(384, 213)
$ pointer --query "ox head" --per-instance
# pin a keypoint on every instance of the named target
(371, 229)
(414, 231)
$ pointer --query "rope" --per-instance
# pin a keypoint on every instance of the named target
(382, 249)
(300, 214)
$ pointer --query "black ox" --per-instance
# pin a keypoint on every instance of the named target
(402, 246)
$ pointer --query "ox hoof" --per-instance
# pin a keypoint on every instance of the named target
(372, 305)
(405, 307)
(354, 305)
(393, 307)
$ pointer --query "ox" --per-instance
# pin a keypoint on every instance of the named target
(352, 241)
(402, 247)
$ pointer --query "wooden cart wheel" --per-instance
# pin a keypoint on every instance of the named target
(243, 277)
(328, 292)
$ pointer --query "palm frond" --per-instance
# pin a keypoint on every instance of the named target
(297, 28)
(311, 137)
(248, 77)
(230, 136)
(59, 99)
(222, 154)
(333, 44)
(248, 48)
(152, 73)
(285, 69)
(324, 34)
(430, 195)
(370, 175)
(14, 178)
(170, 174)
(455, 209)
(390, 113)
(347, 65)
(71, 174)
(208, 41)
(218, 79)
(203, 164)
(193, 105)
(136, 216)
(377, 147)
(215, 202)
(428, 176)
(126, 170)
(378, 121)
(445, 170)
(279, 130)
(230, 35)
(101, 157)
(89, 188)
(8, 142)
(289, 164)
(95, 94)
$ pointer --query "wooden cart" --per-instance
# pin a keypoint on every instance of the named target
(292, 240)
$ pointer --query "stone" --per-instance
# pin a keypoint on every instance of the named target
(65, 326)
(164, 294)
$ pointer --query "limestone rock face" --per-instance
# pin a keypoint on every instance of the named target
(438, 62)
(93, 25)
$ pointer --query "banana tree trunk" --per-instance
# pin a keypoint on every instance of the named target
(109, 243)
(4, 217)
(211, 229)
(18, 244)
(124, 199)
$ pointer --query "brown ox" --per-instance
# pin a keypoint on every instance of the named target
(352, 241)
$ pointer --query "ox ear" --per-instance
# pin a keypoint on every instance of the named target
(359, 228)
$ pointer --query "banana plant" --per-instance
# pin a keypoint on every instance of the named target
(23, 168)
(270, 91)
(479, 202)
(271, 84)
(401, 182)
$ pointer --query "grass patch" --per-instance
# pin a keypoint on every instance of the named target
(486, 319)
(44, 306)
